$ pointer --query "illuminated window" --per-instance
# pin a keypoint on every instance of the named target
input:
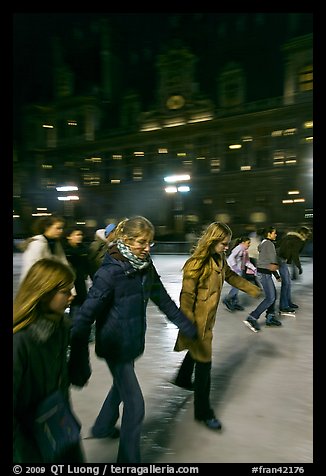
(47, 182)
(289, 132)
(215, 165)
(235, 146)
(278, 158)
(306, 78)
(290, 157)
(137, 174)
(91, 179)
(277, 133)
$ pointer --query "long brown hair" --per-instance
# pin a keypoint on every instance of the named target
(43, 223)
(198, 263)
(43, 280)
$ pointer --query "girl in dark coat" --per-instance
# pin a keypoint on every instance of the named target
(121, 289)
(77, 255)
(40, 341)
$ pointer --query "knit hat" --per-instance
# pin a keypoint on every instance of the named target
(108, 229)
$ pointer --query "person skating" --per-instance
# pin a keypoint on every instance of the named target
(203, 276)
(117, 302)
(267, 266)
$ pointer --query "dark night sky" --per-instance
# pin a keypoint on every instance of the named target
(136, 40)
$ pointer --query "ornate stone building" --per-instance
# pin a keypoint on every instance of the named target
(248, 162)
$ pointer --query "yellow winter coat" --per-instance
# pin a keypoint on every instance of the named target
(199, 300)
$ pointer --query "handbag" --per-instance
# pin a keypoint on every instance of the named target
(55, 427)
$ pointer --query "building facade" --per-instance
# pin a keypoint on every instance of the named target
(245, 162)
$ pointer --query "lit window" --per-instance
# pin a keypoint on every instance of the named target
(235, 146)
(277, 133)
(245, 167)
(215, 165)
(137, 174)
(306, 78)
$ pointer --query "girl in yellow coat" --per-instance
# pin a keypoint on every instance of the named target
(203, 276)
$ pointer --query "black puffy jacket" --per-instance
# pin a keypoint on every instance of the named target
(117, 301)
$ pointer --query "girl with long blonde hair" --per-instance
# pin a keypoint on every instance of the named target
(117, 302)
(40, 343)
(203, 276)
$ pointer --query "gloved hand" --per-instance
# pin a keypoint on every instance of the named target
(189, 330)
(79, 366)
(186, 326)
(192, 332)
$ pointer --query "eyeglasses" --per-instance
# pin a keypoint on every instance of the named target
(144, 244)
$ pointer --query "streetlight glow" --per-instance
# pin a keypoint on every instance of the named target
(171, 189)
(66, 188)
(184, 188)
(176, 178)
(68, 198)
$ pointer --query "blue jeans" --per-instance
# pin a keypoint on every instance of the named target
(126, 390)
(233, 295)
(285, 294)
(268, 303)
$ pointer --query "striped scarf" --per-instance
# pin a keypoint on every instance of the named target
(135, 262)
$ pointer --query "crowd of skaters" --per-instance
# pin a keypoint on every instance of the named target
(121, 254)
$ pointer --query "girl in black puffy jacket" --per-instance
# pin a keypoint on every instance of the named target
(117, 301)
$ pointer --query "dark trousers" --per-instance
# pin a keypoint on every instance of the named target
(285, 294)
(75, 454)
(202, 385)
(126, 390)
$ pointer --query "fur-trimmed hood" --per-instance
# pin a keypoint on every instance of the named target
(298, 235)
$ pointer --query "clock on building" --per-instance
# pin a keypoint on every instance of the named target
(175, 102)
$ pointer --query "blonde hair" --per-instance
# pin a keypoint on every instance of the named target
(199, 263)
(131, 228)
(43, 280)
